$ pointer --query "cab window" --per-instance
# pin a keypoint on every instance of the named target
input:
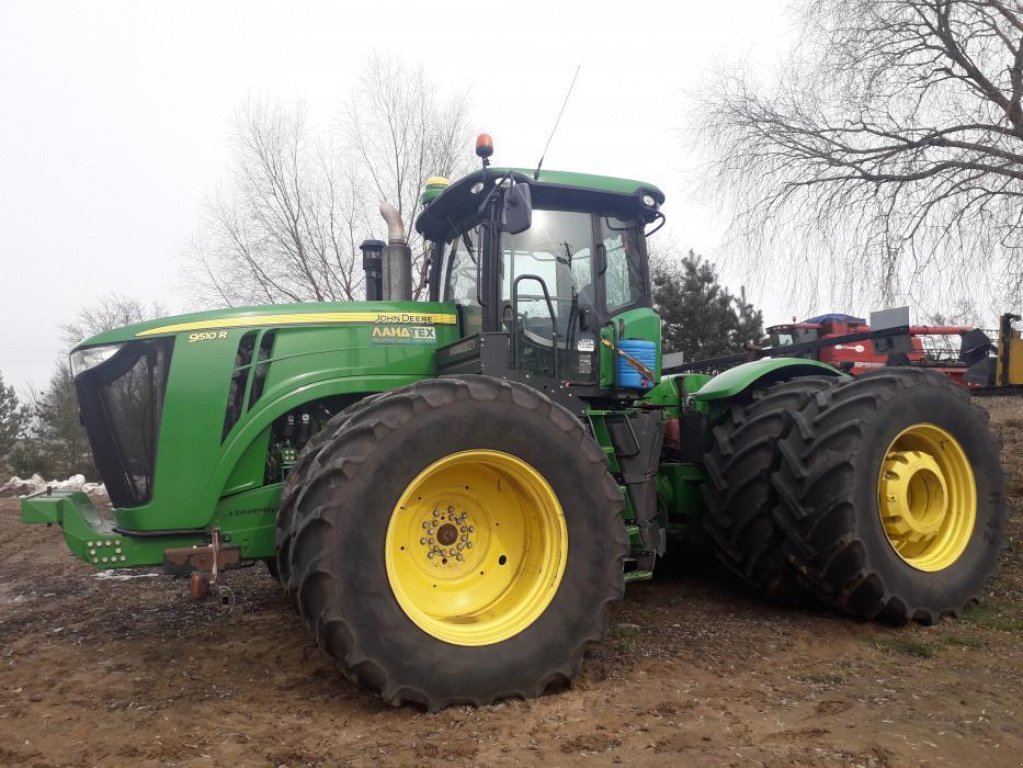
(624, 276)
(462, 257)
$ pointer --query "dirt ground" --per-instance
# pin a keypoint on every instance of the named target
(100, 671)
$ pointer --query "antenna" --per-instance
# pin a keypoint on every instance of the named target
(536, 173)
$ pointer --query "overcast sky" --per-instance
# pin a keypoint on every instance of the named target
(115, 118)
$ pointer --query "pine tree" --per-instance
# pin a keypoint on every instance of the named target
(14, 419)
(699, 317)
(59, 428)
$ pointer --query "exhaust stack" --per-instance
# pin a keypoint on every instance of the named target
(372, 265)
(397, 258)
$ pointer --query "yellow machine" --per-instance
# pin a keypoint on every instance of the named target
(1009, 360)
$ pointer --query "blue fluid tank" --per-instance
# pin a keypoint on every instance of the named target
(642, 350)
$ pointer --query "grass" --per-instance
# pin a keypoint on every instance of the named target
(967, 642)
(906, 645)
(624, 637)
(988, 616)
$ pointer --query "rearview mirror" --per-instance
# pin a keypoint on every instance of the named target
(516, 209)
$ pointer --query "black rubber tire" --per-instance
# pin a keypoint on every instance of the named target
(827, 483)
(340, 507)
(293, 483)
(739, 496)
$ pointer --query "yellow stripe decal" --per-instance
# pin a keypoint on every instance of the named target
(307, 318)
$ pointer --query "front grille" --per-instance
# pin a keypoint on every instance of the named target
(121, 401)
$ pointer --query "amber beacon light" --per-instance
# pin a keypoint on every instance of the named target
(484, 146)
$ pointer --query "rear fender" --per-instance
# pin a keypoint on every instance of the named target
(758, 374)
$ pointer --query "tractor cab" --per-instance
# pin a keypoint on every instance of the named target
(550, 272)
(792, 333)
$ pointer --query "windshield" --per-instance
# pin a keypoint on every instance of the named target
(558, 249)
(586, 262)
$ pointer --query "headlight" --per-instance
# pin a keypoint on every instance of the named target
(83, 359)
(649, 202)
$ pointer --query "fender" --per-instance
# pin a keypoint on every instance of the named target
(284, 401)
(759, 373)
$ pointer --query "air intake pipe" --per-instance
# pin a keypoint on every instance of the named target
(397, 258)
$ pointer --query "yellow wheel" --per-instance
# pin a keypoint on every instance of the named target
(476, 547)
(927, 497)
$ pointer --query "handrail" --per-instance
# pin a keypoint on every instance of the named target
(515, 319)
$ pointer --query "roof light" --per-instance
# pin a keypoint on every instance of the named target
(648, 201)
(484, 145)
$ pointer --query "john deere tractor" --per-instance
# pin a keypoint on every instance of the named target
(453, 492)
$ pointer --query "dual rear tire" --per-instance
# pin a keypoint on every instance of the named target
(881, 496)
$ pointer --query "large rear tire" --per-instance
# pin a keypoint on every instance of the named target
(892, 496)
(739, 496)
(456, 541)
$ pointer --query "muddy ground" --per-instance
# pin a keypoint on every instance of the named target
(97, 671)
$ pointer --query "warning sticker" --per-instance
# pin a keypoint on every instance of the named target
(403, 334)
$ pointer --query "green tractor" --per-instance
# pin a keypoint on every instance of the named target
(453, 492)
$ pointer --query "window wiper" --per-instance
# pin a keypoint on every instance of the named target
(568, 252)
(468, 246)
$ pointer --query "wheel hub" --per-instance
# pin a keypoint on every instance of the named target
(927, 497)
(449, 532)
(917, 498)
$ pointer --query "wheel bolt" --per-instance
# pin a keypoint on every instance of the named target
(436, 513)
(451, 508)
(426, 523)
(430, 555)
(472, 529)
(422, 541)
(468, 545)
(431, 540)
(460, 558)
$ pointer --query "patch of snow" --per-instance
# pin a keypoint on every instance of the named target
(18, 486)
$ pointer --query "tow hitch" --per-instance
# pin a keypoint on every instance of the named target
(204, 564)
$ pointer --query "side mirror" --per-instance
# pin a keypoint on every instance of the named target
(516, 209)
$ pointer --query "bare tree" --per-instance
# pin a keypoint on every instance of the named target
(287, 224)
(885, 161)
(111, 311)
(401, 132)
(285, 228)
(56, 442)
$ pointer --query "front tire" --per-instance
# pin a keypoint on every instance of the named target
(892, 496)
(456, 541)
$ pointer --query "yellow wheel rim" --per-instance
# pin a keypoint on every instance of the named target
(476, 547)
(927, 497)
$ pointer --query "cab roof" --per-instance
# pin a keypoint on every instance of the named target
(458, 206)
